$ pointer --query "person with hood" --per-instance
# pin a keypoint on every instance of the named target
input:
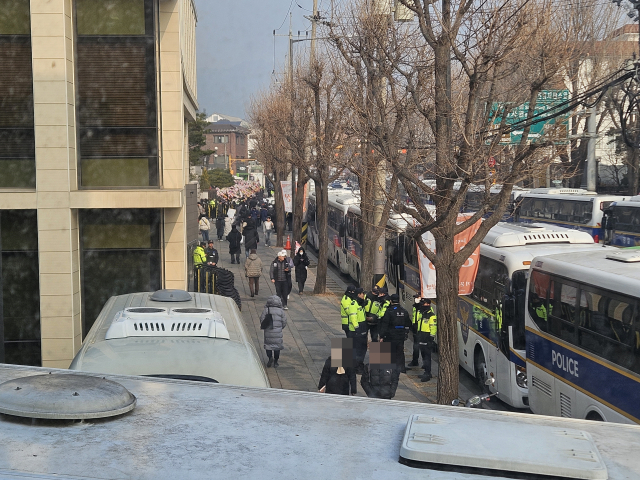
(204, 226)
(280, 273)
(234, 238)
(380, 377)
(253, 270)
(220, 227)
(273, 338)
(338, 375)
(301, 262)
(251, 237)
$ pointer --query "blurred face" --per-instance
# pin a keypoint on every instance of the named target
(361, 295)
(342, 352)
(280, 257)
(379, 353)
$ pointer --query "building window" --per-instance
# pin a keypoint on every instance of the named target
(19, 288)
(17, 139)
(116, 93)
(220, 139)
(120, 253)
(240, 140)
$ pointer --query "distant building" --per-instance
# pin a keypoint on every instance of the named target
(94, 108)
(230, 141)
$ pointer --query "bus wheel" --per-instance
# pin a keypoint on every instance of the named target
(480, 367)
(595, 416)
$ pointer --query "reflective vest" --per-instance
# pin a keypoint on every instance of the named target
(428, 323)
(499, 317)
(541, 312)
(383, 308)
(345, 303)
(373, 307)
(417, 316)
(199, 256)
(356, 317)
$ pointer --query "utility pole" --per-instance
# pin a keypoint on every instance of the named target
(293, 168)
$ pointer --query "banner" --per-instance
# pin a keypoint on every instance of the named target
(286, 195)
(468, 271)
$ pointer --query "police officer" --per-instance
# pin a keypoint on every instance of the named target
(417, 313)
(394, 328)
(358, 329)
(374, 307)
(345, 304)
(212, 254)
(426, 330)
(199, 255)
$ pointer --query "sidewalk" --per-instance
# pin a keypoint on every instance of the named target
(312, 321)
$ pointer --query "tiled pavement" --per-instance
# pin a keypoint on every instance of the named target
(312, 321)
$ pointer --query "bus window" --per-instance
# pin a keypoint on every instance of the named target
(552, 209)
(411, 252)
(582, 212)
(538, 292)
(562, 309)
(491, 282)
(565, 213)
(608, 327)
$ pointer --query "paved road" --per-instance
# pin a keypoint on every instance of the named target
(312, 321)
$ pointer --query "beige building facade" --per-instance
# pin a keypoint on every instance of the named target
(93, 163)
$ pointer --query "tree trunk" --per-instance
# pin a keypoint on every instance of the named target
(632, 171)
(447, 311)
(279, 206)
(299, 203)
(322, 202)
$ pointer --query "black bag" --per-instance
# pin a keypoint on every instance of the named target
(267, 322)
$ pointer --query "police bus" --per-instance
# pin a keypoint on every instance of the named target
(622, 227)
(193, 430)
(583, 335)
(567, 207)
(491, 333)
(175, 334)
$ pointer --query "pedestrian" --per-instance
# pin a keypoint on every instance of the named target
(301, 262)
(267, 229)
(212, 254)
(199, 254)
(345, 305)
(394, 328)
(273, 339)
(289, 220)
(358, 329)
(255, 215)
(220, 227)
(338, 375)
(280, 273)
(251, 238)
(415, 317)
(264, 213)
(234, 238)
(204, 226)
(253, 270)
(376, 304)
(381, 375)
(426, 329)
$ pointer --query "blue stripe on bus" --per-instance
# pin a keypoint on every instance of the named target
(517, 359)
(603, 383)
(625, 239)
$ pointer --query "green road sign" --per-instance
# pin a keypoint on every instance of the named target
(547, 100)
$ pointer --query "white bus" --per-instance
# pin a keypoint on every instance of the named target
(491, 333)
(583, 335)
(623, 225)
(196, 431)
(566, 207)
(174, 334)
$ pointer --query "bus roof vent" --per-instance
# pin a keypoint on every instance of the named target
(64, 397)
(538, 450)
(169, 295)
(146, 310)
(627, 256)
(562, 191)
(513, 235)
(179, 322)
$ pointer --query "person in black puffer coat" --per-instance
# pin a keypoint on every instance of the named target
(380, 377)
(234, 238)
(251, 237)
(301, 262)
(338, 376)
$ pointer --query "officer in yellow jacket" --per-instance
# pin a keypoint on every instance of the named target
(426, 329)
(358, 329)
(345, 305)
(199, 255)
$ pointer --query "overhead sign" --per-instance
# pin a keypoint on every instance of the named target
(547, 100)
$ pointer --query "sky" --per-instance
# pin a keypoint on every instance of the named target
(235, 48)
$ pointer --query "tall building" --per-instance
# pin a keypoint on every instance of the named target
(95, 97)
